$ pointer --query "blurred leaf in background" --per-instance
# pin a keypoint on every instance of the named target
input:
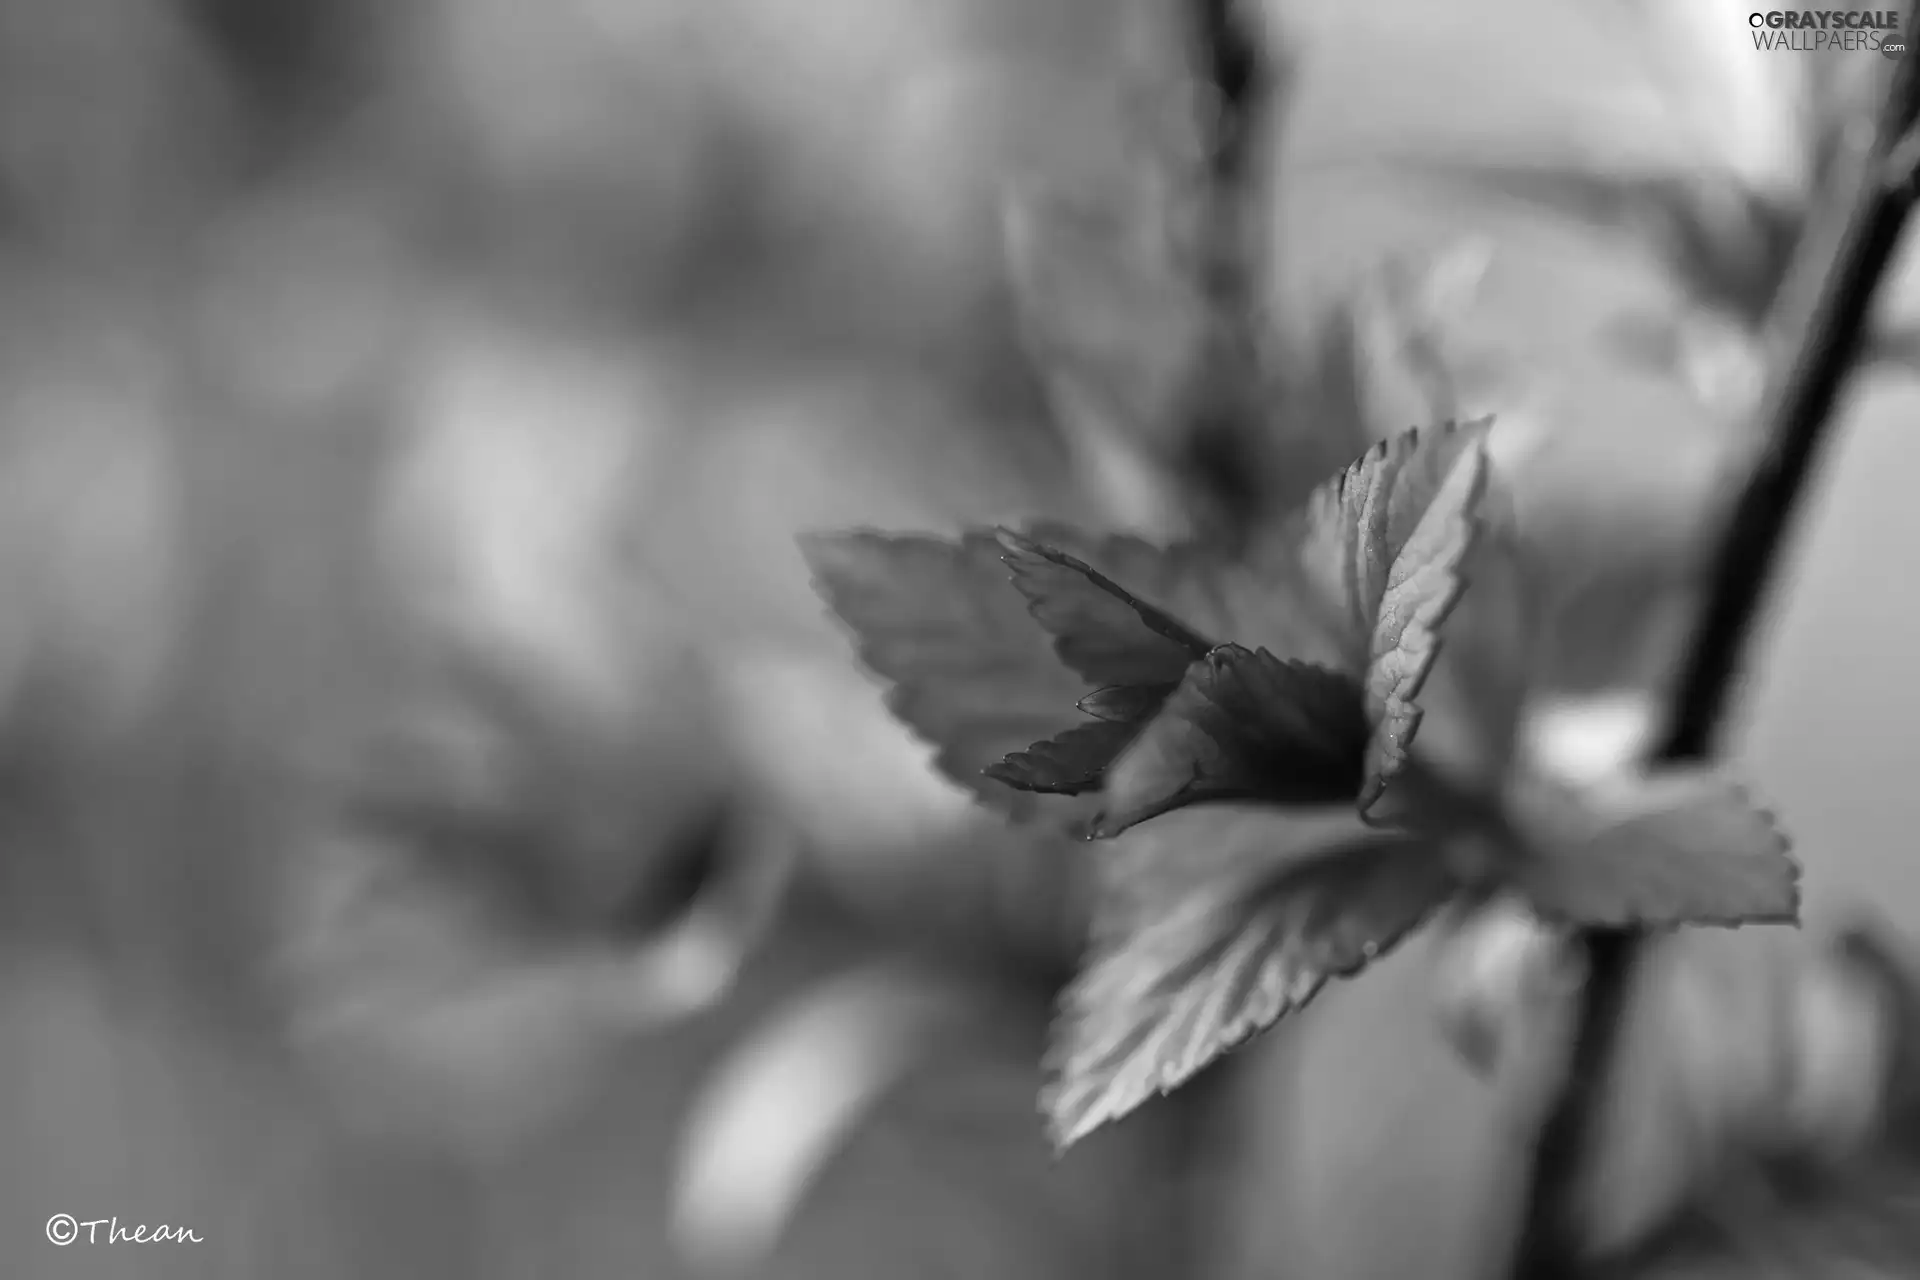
(1759, 1112)
(457, 385)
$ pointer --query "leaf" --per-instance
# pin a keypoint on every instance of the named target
(1107, 635)
(1355, 526)
(1068, 764)
(1214, 594)
(1422, 588)
(1122, 704)
(1485, 674)
(1132, 637)
(1210, 591)
(1382, 543)
(969, 670)
(1684, 846)
(1135, 651)
(1243, 725)
(1213, 932)
(1383, 357)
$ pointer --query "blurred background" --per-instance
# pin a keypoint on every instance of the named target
(412, 694)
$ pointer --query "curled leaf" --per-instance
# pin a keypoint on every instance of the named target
(1135, 651)
(1122, 704)
(1211, 936)
(1243, 725)
(1684, 846)
(1478, 691)
(975, 661)
(1355, 526)
(1100, 630)
(1422, 588)
(1382, 544)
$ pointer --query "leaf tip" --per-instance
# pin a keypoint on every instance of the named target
(1015, 543)
(1070, 1117)
(816, 547)
(1698, 852)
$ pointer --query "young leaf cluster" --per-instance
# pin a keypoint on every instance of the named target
(1131, 682)
(1240, 716)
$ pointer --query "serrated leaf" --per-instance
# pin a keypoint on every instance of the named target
(1423, 586)
(1103, 632)
(1355, 525)
(1210, 936)
(1382, 358)
(968, 668)
(1130, 637)
(1068, 764)
(1122, 704)
(1100, 630)
(929, 620)
(1684, 846)
(1383, 543)
(1215, 595)
(1484, 675)
(1243, 725)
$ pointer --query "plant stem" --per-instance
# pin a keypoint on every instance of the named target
(1825, 311)
(1241, 75)
(1233, 64)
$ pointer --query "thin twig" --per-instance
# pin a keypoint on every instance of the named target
(1823, 328)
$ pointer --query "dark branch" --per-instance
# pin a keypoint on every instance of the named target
(1239, 77)
(1232, 62)
(1823, 316)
